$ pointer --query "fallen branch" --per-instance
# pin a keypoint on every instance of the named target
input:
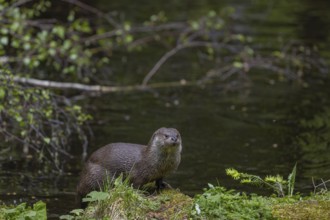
(97, 88)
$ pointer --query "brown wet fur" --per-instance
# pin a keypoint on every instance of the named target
(142, 163)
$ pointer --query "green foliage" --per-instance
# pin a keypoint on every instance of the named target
(118, 200)
(96, 196)
(314, 134)
(76, 48)
(33, 44)
(38, 119)
(276, 183)
(292, 180)
(219, 203)
(75, 214)
(22, 211)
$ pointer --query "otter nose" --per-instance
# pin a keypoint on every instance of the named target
(174, 139)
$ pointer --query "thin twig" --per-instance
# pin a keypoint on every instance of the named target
(19, 3)
(20, 140)
(171, 53)
(314, 185)
(93, 10)
(324, 184)
(141, 29)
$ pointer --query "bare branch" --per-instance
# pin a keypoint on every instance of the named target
(141, 29)
(171, 53)
(97, 88)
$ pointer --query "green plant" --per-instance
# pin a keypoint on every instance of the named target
(219, 203)
(292, 180)
(276, 183)
(74, 214)
(36, 212)
(78, 48)
(40, 121)
(117, 200)
(31, 43)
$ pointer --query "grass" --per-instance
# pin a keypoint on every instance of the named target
(119, 200)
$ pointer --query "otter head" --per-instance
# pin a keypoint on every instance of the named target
(166, 139)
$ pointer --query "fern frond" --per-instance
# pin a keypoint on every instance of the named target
(292, 180)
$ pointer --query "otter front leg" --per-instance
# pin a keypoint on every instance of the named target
(160, 184)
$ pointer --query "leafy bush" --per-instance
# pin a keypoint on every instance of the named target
(42, 122)
(22, 211)
(32, 44)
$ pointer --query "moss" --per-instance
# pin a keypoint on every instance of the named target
(306, 209)
(173, 205)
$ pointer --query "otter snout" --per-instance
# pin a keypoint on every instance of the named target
(173, 140)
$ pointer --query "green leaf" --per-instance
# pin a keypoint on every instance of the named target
(194, 25)
(2, 93)
(31, 214)
(71, 16)
(238, 65)
(73, 56)
(66, 217)
(96, 196)
(77, 212)
(47, 140)
(59, 31)
(292, 180)
(26, 60)
(212, 13)
(239, 37)
(4, 40)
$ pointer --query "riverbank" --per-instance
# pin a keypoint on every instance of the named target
(216, 202)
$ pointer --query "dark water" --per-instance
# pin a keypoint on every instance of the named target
(263, 129)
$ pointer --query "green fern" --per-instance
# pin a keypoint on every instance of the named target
(292, 180)
(276, 183)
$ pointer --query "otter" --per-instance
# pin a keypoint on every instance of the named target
(140, 163)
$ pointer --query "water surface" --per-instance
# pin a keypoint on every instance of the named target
(263, 129)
